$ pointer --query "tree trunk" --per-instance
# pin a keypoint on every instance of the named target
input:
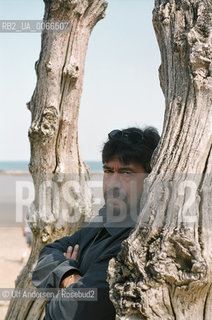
(164, 270)
(62, 201)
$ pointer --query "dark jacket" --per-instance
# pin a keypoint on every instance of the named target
(95, 251)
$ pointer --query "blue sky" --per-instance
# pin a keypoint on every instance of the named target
(121, 86)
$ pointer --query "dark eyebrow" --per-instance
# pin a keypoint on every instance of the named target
(120, 169)
(106, 167)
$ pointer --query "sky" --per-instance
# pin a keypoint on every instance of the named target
(121, 86)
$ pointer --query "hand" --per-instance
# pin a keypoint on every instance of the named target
(72, 255)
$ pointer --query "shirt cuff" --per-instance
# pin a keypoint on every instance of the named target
(63, 268)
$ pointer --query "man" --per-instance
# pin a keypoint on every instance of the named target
(81, 260)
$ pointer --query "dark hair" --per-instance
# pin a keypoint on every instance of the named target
(126, 150)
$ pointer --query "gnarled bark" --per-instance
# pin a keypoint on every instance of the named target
(164, 270)
(56, 166)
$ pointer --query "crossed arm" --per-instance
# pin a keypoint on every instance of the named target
(58, 267)
(57, 261)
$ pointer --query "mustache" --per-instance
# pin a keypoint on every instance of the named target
(116, 193)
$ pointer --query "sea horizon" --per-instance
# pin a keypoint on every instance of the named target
(22, 165)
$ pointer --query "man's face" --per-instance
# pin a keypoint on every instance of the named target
(122, 186)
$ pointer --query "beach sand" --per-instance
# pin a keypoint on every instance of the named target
(12, 247)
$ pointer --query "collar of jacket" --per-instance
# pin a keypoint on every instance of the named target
(115, 228)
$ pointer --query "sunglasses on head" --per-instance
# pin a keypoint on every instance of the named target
(133, 136)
